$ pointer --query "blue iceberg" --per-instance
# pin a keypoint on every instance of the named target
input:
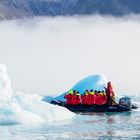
(95, 82)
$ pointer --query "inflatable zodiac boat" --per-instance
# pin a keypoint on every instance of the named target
(125, 104)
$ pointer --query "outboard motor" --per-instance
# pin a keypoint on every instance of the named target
(126, 101)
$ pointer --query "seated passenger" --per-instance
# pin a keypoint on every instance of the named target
(68, 97)
(104, 97)
(78, 99)
(87, 97)
(84, 98)
(91, 97)
(99, 98)
(74, 98)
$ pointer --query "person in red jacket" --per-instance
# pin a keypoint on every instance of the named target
(90, 96)
(74, 97)
(84, 100)
(99, 98)
(68, 97)
(85, 97)
(78, 98)
(110, 93)
(104, 97)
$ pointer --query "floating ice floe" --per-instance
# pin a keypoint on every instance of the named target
(26, 108)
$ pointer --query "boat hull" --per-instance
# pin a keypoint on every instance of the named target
(92, 108)
(96, 108)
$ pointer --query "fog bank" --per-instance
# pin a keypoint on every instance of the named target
(49, 55)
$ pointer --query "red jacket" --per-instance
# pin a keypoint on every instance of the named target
(73, 99)
(109, 89)
(84, 99)
(89, 99)
(105, 99)
(68, 98)
(78, 100)
(99, 99)
(93, 99)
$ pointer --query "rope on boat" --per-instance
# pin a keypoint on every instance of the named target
(90, 108)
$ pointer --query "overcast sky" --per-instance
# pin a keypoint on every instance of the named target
(49, 55)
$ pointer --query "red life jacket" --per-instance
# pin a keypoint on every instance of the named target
(102, 99)
(78, 101)
(73, 99)
(68, 98)
(84, 99)
(93, 99)
(105, 99)
(110, 89)
(89, 99)
(99, 99)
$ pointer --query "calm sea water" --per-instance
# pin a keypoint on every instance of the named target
(102, 126)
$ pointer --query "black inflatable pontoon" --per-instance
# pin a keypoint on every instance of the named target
(124, 105)
(96, 108)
